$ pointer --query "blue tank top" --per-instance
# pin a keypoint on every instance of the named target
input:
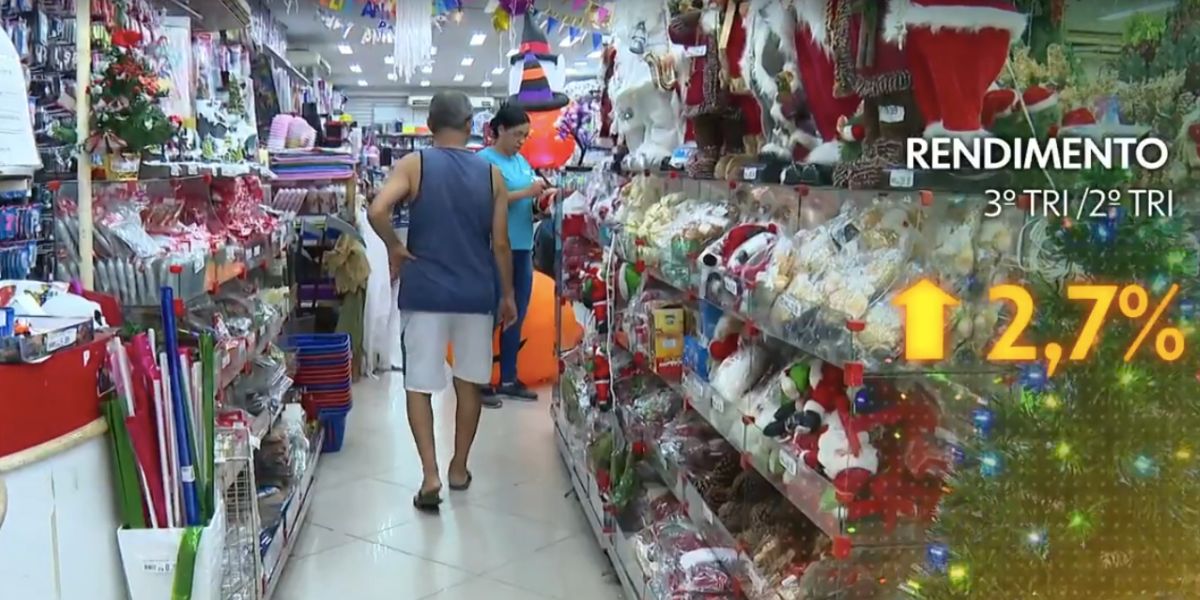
(450, 234)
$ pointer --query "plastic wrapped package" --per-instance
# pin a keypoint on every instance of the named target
(683, 437)
(736, 374)
(293, 422)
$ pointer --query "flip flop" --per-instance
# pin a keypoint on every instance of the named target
(464, 485)
(430, 501)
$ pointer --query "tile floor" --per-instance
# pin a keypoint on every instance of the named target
(516, 535)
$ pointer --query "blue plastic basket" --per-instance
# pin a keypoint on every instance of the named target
(318, 343)
(334, 424)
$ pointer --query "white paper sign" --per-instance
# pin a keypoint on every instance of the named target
(17, 146)
(891, 113)
(718, 403)
(900, 178)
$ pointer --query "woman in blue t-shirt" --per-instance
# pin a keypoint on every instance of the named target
(509, 129)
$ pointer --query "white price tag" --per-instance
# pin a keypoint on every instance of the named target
(718, 403)
(790, 462)
(791, 305)
(750, 173)
(891, 113)
(900, 178)
(160, 567)
(696, 51)
(198, 264)
(60, 339)
(731, 285)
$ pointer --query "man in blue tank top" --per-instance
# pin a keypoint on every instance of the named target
(457, 243)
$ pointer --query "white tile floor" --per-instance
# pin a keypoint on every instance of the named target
(515, 535)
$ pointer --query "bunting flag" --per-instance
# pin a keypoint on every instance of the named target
(597, 40)
(551, 24)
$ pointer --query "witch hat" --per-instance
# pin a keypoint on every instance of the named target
(533, 41)
(535, 94)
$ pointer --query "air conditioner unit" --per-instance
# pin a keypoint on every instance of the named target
(420, 101)
(483, 102)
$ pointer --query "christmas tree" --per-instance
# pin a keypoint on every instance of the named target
(1085, 484)
(126, 100)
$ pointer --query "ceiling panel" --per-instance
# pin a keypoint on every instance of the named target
(306, 31)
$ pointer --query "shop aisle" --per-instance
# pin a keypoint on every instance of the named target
(514, 535)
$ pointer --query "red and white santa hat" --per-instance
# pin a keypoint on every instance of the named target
(1038, 98)
(998, 103)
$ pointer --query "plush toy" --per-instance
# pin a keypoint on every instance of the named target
(712, 118)
(956, 50)
(721, 252)
(725, 336)
(815, 58)
(602, 379)
(645, 116)
(733, 41)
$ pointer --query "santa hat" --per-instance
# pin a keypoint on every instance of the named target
(1037, 98)
(961, 47)
(998, 103)
(533, 41)
(850, 132)
(535, 93)
(1078, 118)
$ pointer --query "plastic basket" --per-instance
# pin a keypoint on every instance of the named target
(323, 361)
(318, 343)
(334, 424)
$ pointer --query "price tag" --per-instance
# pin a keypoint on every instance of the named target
(159, 567)
(750, 173)
(790, 462)
(791, 305)
(891, 113)
(198, 264)
(59, 339)
(900, 178)
(696, 51)
(718, 403)
(731, 285)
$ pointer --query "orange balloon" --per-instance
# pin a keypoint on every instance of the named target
(543, 148)
(536, 362)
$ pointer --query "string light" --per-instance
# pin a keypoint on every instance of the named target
(958, 574)
(1183, 454)
(1062, 451)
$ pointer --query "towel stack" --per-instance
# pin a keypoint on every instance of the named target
(311, 165)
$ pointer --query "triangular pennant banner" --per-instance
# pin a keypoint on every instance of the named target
(597, 40)
(551, 24)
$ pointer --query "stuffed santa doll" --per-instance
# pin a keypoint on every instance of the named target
(956, 49)
(734, 38)
(815, 58)
(696, 26)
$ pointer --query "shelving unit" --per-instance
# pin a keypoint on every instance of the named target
(870, 553)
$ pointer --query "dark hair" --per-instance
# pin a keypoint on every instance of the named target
(450, 110)
(509, 115)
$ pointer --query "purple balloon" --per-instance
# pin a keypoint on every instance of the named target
(516, 7)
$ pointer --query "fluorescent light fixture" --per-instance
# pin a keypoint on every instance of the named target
(486, 84)
(478, 39)
(572, 72)
(427, 69)
(459, 77)
(1152, 7)
(393, 77)
(582, 63)
(512, 53)
(467, 61)
(389, 60)
(497, 70)
(594, 54)
(355, 68)
(345, 49)
(362, 83)
(433, 51)
(566, 42)
(425, 83)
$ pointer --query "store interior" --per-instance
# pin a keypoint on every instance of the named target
(772, 360)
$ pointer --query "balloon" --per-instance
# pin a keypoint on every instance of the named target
(543, 148)
(516, 7)
(536, 362)
(501, 20)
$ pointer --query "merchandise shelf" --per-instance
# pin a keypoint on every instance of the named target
(295, 513)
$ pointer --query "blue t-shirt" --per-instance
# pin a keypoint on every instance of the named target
(518, 175)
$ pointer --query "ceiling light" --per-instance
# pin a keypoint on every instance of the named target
(345, 49)
(460, 77)
(355, 69)
(1152, 7)
(393, 77)
(497, 70)
(512, 53)
(433, 51)
(468, 61)
(594, 54)
(425, 83)
(362, 83)
(566, 42)
(582, 63)
(427, 69)
(389, 60)
(478, 39)
(486, 84)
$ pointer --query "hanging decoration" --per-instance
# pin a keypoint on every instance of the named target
(536, 75)
(413, 38)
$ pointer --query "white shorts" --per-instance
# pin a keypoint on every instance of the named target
(424, 337)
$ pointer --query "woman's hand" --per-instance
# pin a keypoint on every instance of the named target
(508, 311)
(538, 188)
(397, 257)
